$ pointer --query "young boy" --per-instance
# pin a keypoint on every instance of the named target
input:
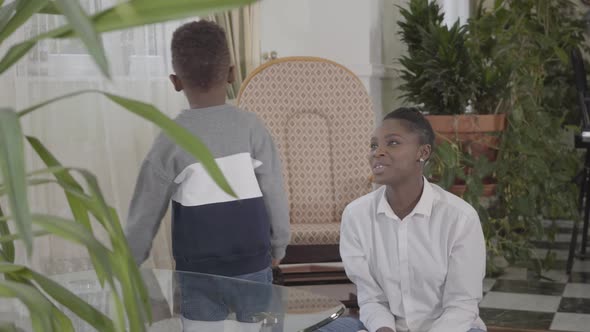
(212, 232)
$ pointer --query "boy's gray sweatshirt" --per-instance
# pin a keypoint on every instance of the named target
(213, 232)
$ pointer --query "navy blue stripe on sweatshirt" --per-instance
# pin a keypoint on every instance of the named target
(228, 238)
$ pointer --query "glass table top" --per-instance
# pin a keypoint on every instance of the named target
(183, 301)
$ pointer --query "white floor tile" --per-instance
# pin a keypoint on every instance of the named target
(581, 266)
(514, 273)
(577, 290)
(556, 275)
(565, 237)
(559, 223)
(570, 322)
(528, 302)
(559, 254)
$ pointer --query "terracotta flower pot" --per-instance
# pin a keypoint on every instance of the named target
(475, 134)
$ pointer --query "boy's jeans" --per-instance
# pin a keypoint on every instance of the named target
(212, 299)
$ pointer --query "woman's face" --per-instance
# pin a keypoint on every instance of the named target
(396, 152)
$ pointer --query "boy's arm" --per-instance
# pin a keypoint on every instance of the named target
(270, 180)
(148, 206)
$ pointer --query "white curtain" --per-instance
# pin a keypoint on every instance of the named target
(89, 131)
(242, 28)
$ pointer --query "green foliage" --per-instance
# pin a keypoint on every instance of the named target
(112, 261)
(438, 71)
(421, 14)
(535, 167)
(519, 51)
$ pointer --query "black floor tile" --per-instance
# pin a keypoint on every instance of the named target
(528, 287)
(559, 264)
(580, 277)
(516, 318)
(575, 305)
(554, 245)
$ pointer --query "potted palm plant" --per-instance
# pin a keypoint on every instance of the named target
(112, 261)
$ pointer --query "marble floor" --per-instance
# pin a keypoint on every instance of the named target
(519, 299)
(554, 301)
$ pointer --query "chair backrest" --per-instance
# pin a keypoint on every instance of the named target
(320, 116)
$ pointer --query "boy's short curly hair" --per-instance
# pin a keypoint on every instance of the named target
(200, 54)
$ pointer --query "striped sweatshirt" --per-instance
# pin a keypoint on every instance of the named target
(213, 232)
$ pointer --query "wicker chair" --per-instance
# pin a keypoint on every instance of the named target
(321, 118)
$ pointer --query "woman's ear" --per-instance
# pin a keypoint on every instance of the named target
(425, 151)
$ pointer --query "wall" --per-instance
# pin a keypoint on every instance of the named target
(361, 35)
(346, 31)
(392, 50)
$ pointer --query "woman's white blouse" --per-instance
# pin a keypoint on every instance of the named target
(422, 273)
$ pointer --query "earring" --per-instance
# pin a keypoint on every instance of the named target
(421, 160)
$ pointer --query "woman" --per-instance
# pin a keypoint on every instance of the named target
(415, 252)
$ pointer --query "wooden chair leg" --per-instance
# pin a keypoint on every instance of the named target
(352, 302)
(277, 276)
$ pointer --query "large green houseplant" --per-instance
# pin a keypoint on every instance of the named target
(111, 259)
(517, 53)
(525, 43)
(437, 70)
(440, 74)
